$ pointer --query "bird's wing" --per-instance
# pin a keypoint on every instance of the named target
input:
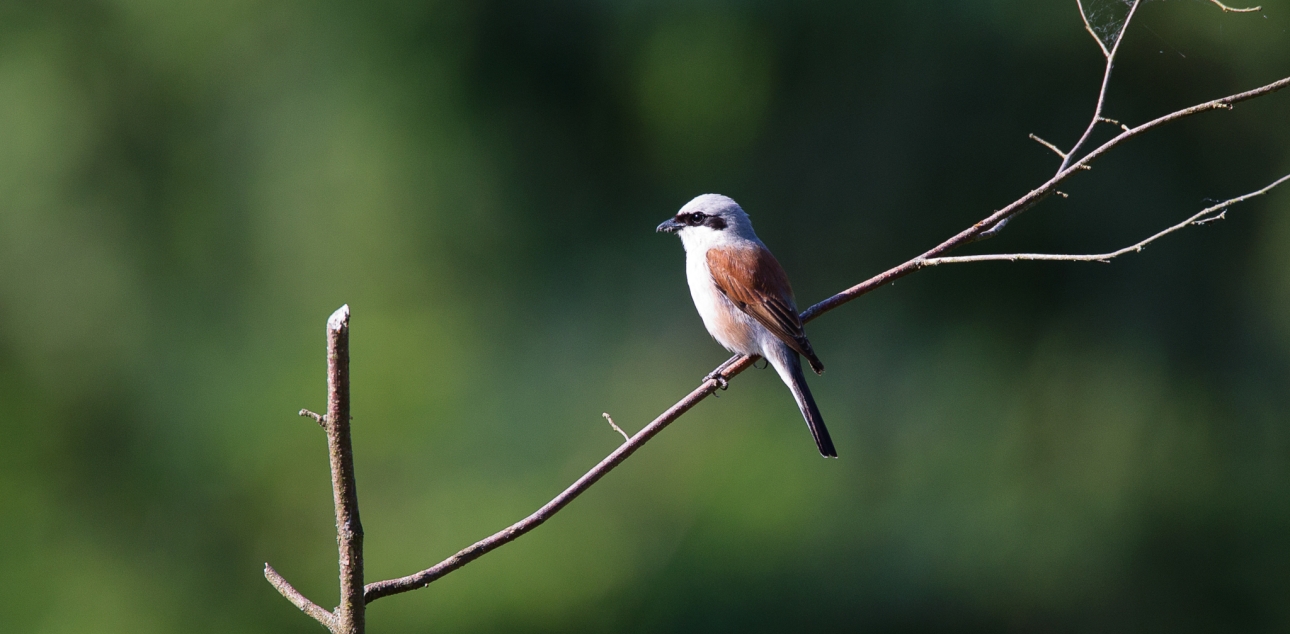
(753, 280)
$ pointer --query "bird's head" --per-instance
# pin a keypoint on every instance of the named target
(709, 219)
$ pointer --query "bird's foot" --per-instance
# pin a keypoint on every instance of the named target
(719, 377)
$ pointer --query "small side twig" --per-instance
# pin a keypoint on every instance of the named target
(1114, 122)
(1227, 9)
(308, 607)
(318, 418)
(1048, 145)
(618, 429)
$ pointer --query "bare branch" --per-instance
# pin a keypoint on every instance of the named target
(1227, 9)
(618, 429)
(1048, 145)
(1203, 217)
(510, 533)
(1089, 27)
(351, 613)
(308, 607)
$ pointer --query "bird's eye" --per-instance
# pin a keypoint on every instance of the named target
(697, 218)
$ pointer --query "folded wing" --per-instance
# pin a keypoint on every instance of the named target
(752, 279)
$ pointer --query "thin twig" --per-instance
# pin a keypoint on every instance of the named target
(1227, 9)
(1089, 27)
(1203, 217)
(618, 429)
(351, 613)
(1048, 145)
(739, 363)
(308, 607)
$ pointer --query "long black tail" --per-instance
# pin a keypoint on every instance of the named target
(810, 412)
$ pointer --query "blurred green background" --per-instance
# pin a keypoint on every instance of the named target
(188, 189)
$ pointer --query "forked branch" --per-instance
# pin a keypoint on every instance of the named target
(1031, 199)
(1106, 77)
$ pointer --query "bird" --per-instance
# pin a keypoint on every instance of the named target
(744, 298)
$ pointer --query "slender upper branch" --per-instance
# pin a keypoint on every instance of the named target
(1205, 216)
(738, 364)
(1089, 27)
(1106, 79)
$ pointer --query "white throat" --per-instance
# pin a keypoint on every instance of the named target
(697, 240)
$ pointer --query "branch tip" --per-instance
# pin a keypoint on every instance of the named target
(1114, 122)
(339, 319)
(1089, 27)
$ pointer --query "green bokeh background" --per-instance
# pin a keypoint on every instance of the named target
(188, 189)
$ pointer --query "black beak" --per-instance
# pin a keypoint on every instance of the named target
(669, 226)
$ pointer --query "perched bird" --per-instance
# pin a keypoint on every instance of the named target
(744, 297)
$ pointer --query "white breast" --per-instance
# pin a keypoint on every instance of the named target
(731, 327)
